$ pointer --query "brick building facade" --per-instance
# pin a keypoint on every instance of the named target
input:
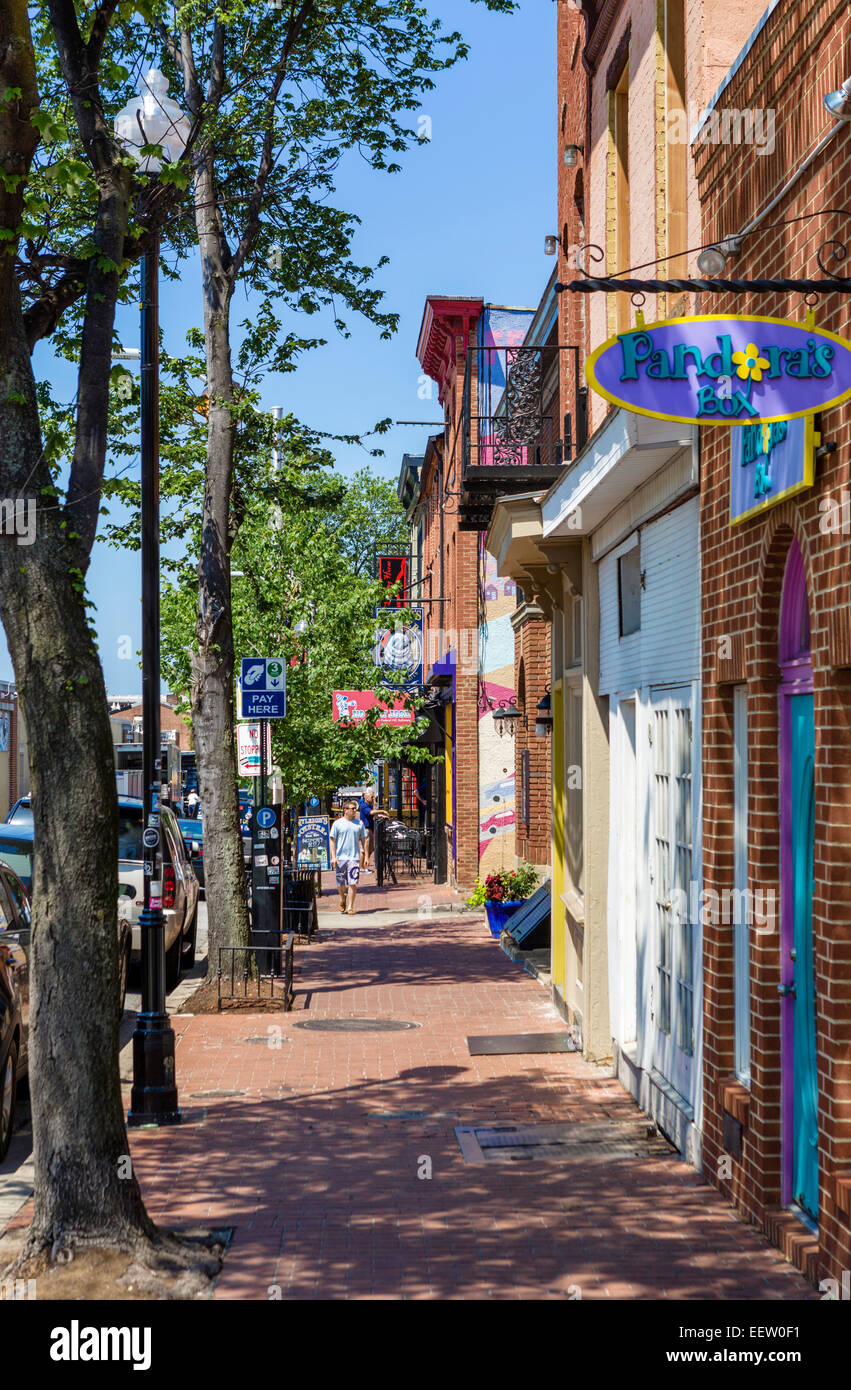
(482, 638)
(766, 673)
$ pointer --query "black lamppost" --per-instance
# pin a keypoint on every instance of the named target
(152, 119)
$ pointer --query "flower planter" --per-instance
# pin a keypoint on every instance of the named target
(499, 913)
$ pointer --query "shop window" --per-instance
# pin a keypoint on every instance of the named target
(629, 591)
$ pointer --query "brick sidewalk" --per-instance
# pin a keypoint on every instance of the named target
(315, 1160)
(315, 1164)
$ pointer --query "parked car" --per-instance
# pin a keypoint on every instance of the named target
(21, 813)
(193, 842)
(15, 932)
(180, 886)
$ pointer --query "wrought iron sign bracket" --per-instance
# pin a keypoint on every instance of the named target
(612, 286)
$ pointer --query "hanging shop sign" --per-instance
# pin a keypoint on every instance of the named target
(768, 463)
(393, 575)
(352, 706)
(736, 369)
(313, 846)
(399, 649)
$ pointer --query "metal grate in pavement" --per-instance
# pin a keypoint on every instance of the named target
(504, 1044)
(560, 1143)
(355, 1025)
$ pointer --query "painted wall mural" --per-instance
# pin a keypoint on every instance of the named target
(498, 327)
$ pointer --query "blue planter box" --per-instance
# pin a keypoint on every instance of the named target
(499, 913)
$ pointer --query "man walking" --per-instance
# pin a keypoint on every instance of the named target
(347, 854)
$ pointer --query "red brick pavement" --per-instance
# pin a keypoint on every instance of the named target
(322, 1188)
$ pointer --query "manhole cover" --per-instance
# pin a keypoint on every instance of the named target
(217, 1095)
(355, 1025)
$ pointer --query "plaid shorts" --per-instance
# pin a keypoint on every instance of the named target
(348, 873)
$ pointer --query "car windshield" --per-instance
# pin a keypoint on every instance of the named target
(22, 814)
(130, 833)
(18, 854)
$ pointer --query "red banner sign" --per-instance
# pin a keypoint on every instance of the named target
(351, 706)
(391, 570)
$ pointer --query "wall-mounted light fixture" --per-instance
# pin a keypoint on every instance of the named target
(713, 260)
(839, 103)
(572, 154)
(544, 716)
(550, 245)
(507, 718)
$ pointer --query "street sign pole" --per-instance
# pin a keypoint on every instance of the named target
(263, 725)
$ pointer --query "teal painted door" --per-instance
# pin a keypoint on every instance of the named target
(805, 1182)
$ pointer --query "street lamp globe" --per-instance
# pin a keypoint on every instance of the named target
(152, 118)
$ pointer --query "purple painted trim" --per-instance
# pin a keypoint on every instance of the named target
(796, 679)
(454, 782)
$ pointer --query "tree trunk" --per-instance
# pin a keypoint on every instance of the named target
(78, 1121)
(81, 1196)
(213, 663)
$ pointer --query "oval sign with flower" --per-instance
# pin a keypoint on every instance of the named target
(730, 370)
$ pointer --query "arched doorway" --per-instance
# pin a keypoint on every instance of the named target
(800, 1162)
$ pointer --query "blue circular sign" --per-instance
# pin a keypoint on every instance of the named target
(314, 801)
(265, 817)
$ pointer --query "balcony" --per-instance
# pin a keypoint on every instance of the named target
(514, 437)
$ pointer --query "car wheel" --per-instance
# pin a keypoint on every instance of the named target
(173, 963)
(8, 1087)
(123, 972)
(189, 943)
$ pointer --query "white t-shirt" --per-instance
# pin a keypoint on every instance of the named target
(347, 835)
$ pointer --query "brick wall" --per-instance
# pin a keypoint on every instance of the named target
(457, 617)
(803, 51)
(168, 720)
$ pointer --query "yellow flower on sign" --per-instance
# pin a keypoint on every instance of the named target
(749, 363)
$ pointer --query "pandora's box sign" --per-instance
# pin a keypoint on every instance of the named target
(733, 370)
(768, 463)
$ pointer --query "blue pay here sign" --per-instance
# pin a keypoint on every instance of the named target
(262, 687)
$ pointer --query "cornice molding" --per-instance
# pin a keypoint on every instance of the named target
(599, 22)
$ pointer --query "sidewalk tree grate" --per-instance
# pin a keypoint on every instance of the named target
(583, 1140)
(355, 1025)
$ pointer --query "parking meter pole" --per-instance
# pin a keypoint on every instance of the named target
(153, 1099)
(263, 726)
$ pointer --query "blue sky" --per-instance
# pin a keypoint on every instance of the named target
(467, 215)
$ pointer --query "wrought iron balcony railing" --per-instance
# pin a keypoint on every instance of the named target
(513, 429)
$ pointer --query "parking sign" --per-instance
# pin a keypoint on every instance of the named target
(263, 687)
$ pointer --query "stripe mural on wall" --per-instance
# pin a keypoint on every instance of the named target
(498, 327)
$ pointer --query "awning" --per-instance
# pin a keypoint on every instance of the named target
(625, 452)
